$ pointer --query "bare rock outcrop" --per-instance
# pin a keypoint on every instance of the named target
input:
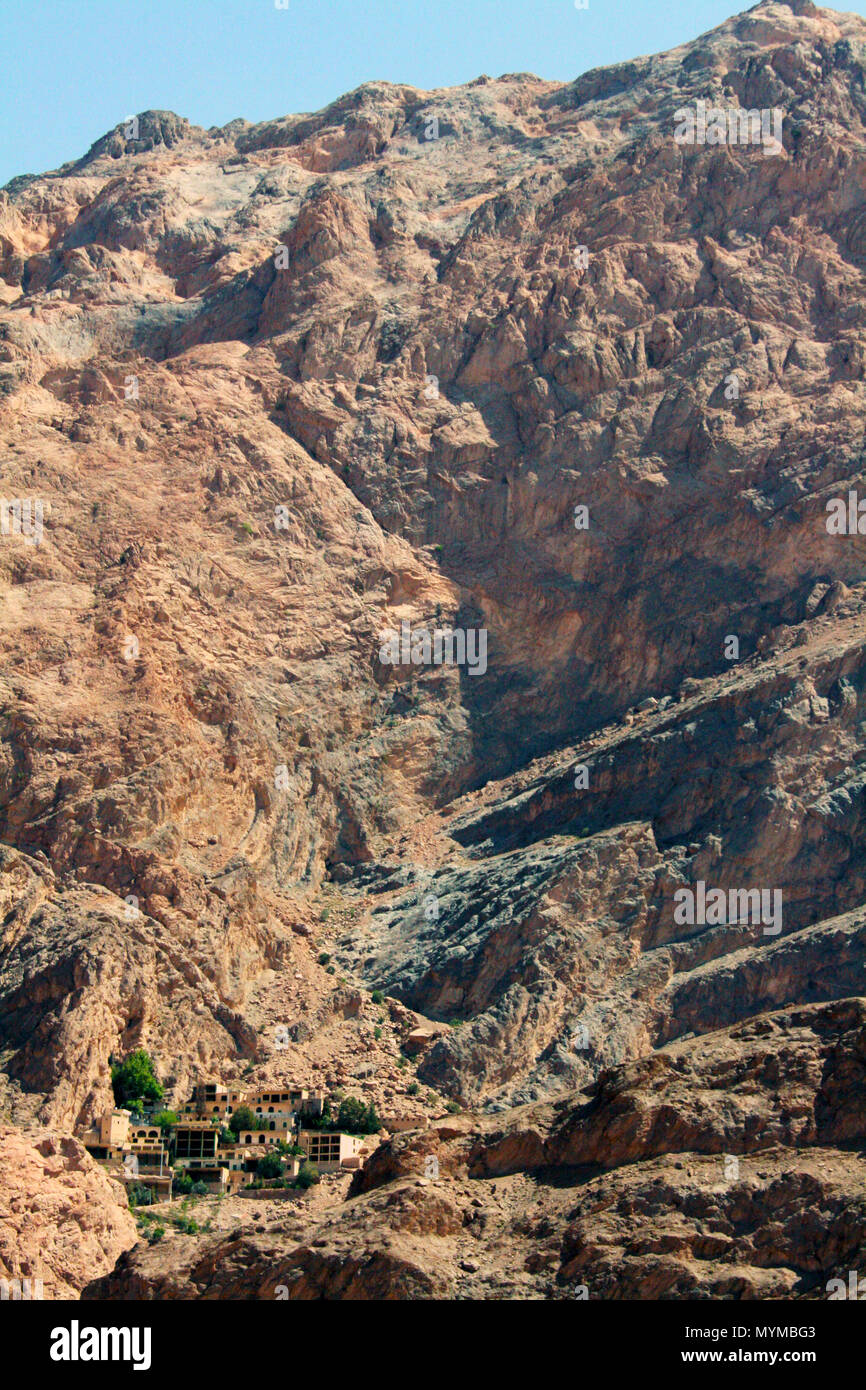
(63, 1221)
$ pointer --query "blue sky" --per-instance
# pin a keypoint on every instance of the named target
(73, 68)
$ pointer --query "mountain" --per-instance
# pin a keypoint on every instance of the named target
(577, 373)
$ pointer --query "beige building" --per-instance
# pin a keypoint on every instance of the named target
(250, 1140)
(132, 1152)
(243, 1161)
(401, 1124)
(331, 1152)
(290, 1102)
(211, 1100)
(145, 1137)
(278, 1124)
(109, 1136)
(214, 1175)
(158, 1183)
(195, 1141)
(114, 1128)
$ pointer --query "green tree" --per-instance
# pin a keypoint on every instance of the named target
(357, 1118)
(165, 1119)
(199, 1189)
(323, 1121)
(242, 1118)
(351, 1115)
(271, 1166)
(134, 1081)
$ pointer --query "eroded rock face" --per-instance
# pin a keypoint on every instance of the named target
(62, 1219)
(279, 389)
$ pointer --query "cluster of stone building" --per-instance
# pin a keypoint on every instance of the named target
(137, 1151)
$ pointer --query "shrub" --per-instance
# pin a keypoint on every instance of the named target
(453, 1107)
(140, 1196)
(330, 970)
(413, 1089)
(308, 1175)
(199, 1189)
(156, 1235)
(183, 1185)
(377, 996)
(324, 957)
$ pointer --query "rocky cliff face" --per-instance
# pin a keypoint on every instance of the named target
(62, 1220)
(512, 358)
